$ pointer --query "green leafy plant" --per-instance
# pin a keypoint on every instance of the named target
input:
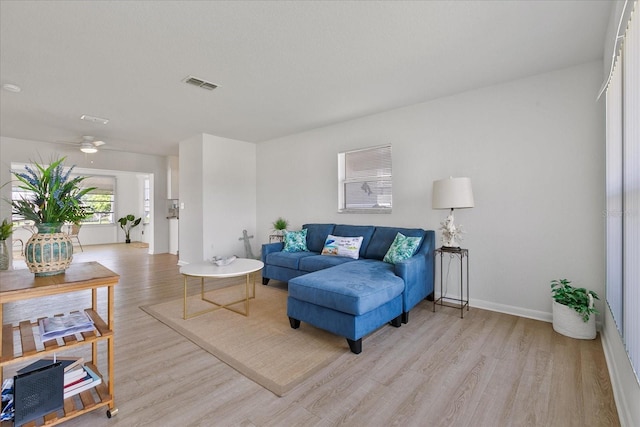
(6, 228)
(127, 223)
(280, 224)
(576, 298)
(52, 196)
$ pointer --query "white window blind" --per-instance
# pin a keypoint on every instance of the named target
(101, 200)
(365, 180)
(613, 214)
(623, 192)
(631, 187)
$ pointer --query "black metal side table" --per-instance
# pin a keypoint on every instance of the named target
(461, 255)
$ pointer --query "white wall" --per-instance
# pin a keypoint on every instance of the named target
(129, 164)
(533, 149)
(218, 189)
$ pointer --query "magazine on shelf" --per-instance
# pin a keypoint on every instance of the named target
(61, 326)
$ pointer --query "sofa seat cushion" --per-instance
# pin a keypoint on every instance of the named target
(287, 259)
(355, 287)
(320, 262)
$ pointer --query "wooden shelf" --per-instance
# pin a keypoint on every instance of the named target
(19, 341)
(28, 334)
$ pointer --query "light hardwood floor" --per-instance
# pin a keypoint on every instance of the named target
(488, 369)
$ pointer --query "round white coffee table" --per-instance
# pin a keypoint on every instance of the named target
(240, 267)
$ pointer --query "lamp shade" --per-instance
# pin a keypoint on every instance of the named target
(452, 193)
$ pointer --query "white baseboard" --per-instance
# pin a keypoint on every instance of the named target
(510, 309)
(614, 374)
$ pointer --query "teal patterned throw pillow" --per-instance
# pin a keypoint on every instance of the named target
(295, 241)
(402, 248)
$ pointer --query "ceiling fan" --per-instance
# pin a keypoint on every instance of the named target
(88, 145)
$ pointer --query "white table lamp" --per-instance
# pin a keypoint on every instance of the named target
(452, 193)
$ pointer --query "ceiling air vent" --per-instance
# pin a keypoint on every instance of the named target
(200, 83)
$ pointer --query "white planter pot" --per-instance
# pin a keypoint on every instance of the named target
(568, 322)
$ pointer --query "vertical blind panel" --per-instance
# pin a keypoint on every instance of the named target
(631, 185)
(613, 213)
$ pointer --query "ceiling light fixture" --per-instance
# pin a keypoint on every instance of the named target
(88, 147)
(94, 119)
(11, 87)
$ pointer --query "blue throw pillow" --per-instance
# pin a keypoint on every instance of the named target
(402, 248)
(295, 241)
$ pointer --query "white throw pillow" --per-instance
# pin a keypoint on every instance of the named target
(342, 246)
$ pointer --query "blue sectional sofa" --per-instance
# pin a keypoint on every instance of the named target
(352, 297)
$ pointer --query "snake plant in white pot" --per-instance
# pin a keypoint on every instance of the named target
(573, 310)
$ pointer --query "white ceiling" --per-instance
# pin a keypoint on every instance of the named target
(282, 67)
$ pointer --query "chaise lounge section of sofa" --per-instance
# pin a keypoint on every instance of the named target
(352, 297)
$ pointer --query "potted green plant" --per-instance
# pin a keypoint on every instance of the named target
(53, 197)
(573, 309)
(127, 223)
(6, 228)
(280, 224)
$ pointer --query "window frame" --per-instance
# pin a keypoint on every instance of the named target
(381, 178)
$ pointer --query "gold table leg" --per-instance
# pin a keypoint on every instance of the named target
(186, 315)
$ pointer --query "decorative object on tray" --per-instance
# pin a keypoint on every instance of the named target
(222, 261)
(127, 223)
(62, 326)
(573, 309)
(52, 197)
(6, 228)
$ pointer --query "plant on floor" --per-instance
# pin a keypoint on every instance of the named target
(127, 223)
(579, 299)
(280, 224)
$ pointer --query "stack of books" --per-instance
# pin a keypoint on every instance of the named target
(77, 376)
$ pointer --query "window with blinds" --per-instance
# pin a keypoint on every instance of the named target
(101, 200)
(623, 192)
(365, 180)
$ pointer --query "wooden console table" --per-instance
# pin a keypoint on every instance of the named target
(20, 285)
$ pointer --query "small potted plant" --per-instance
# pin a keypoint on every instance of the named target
(279, 225)
(6, 228)
(573, 309)
(127, 223)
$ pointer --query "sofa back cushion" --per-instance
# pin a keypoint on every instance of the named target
(316, 235)
(383, 238)
(366, 231)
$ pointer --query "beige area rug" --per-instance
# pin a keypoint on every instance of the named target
(263, 346)
(139, 245)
